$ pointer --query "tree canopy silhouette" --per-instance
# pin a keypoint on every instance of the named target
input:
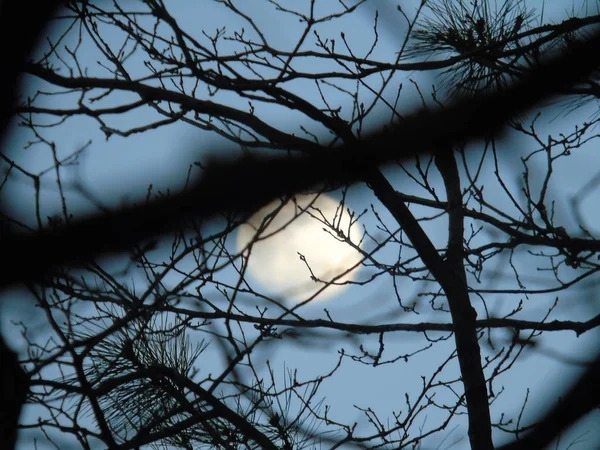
(132, 357)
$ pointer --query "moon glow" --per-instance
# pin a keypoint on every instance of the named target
(278, 237)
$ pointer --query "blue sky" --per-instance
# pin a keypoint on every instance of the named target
(120, 169)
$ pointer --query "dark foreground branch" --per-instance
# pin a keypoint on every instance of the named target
(27, 257)
(583, 397)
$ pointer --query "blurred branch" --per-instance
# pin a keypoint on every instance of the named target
(21, 24)
(583, 397)
(14, 389)
(265, 179)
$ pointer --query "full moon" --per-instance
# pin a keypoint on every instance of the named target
(289, 244)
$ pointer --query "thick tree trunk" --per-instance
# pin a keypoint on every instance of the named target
(463, 314)
(450, 273)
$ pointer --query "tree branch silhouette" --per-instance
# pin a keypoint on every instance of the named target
(266, 179)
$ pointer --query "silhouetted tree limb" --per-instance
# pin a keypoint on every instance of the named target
(269, 178)
(554, 325)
